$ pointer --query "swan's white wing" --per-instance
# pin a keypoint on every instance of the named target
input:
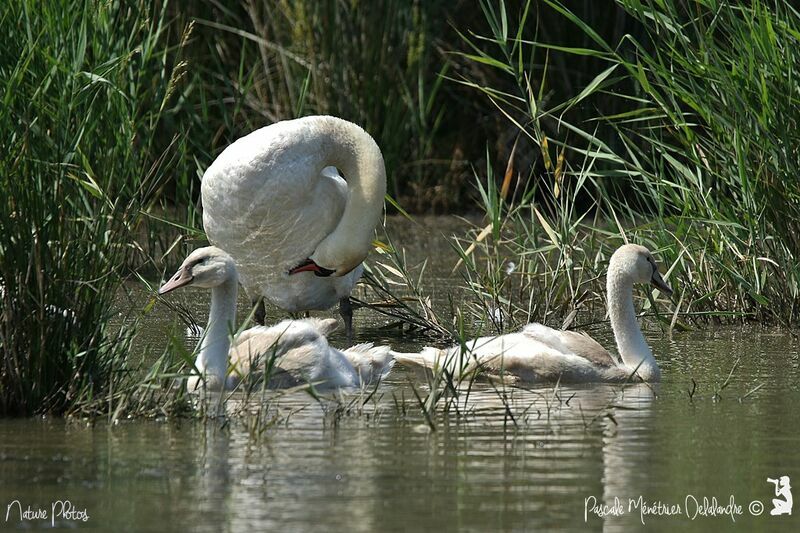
(549, 366)
(571, 342)
(252, 347)
(532, 359)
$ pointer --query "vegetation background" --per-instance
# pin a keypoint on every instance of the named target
(568, 126)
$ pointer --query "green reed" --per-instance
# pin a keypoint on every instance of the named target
(698, 161)
(86, 88)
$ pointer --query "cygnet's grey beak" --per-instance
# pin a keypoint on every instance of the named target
(658, 282)
(182, 277)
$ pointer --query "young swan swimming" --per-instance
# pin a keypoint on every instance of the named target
(538, 353)
(298, 348)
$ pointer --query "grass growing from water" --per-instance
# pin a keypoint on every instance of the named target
(703, 170)
(85, 86)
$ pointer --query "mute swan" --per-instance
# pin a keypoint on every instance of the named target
(539, 353)
(299, 347)
(295, 228)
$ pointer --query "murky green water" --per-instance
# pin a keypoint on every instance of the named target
(538, 461)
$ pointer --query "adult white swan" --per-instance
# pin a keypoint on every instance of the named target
(298, 348)
(296, 229)
(538, 353)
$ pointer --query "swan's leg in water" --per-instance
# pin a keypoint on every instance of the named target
(346, 310)
(261, 311)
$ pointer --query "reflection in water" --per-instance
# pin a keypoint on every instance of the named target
(513, 460)
(361, 475)
(626, 449)
(515, 457)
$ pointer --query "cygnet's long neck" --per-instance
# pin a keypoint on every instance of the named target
(631, 343)
(351, 149)
(212, 359)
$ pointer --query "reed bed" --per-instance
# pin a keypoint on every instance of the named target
(698, 162)
(669, 124)
(85, 89)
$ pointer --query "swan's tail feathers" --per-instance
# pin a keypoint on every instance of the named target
(371, 362)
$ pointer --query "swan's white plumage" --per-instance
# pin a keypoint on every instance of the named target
(274, 198)
(542, 354)
(298, 348)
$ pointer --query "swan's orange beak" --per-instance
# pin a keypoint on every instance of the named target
(310, 266)
(181, 278)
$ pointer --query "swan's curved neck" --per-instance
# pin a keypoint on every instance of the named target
(212, 358)
(631, 343)
(356, 154)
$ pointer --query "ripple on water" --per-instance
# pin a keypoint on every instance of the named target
(374, 469)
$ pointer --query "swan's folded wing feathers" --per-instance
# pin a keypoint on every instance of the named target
(364, 347)
(295, 350)
(584, 346)
(324, 326)
(571, 342)
(248, 347)
(546, 365)
(371, 362)
(528, 358)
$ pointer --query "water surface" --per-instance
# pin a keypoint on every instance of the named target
(502, 459)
